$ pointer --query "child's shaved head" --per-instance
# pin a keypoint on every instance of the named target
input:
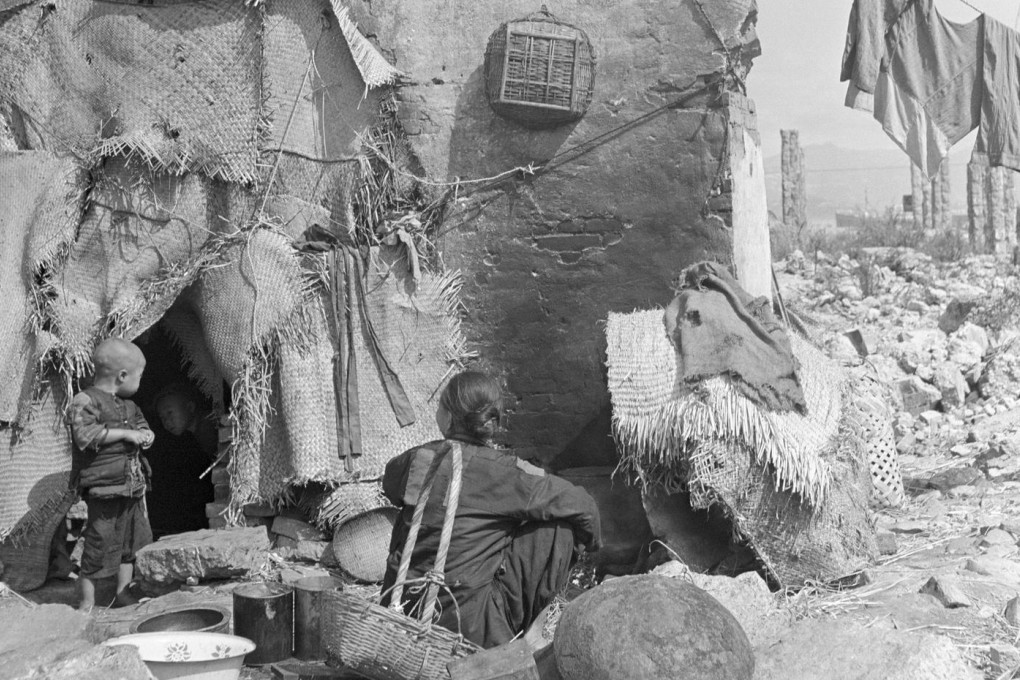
(114, 355)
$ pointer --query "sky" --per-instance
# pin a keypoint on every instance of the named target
(795, 82)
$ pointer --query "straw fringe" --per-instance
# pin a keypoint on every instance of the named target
(374, 69)
(660, 424)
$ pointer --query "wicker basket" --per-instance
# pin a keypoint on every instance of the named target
(383, 643)
(361, 544)
(539, 71)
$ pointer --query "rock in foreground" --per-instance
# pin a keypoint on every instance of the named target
(650, 628)
(205, 554)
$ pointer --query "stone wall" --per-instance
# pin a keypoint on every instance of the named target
(546, 258)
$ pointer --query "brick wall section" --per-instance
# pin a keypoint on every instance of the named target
(547, 258)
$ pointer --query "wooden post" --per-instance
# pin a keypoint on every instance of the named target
(917, 196)
(976, 205)
(794, 195)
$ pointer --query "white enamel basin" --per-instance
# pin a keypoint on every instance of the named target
(189, 654)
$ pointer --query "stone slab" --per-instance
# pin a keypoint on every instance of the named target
(296, 529)
(205, 554)
(834, 650)
(998, 568)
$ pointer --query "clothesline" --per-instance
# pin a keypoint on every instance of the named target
(976, 6)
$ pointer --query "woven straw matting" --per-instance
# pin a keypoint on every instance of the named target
(241, 302)
(761, 466)
(178, 83)
(137, 248)
(385, 645)
(185, 331)
(347, 501)
(325, 186)
(419, 334)
(316, 108)
(34, 474)
(39, 195)
(795, 542)
(301, 445)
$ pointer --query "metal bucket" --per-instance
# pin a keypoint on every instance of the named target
(264, 613)
(307, 600)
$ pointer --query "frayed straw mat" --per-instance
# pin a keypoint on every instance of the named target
(796, 487)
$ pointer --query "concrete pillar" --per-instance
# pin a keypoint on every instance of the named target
(927, 207)
(976, 205)
(917, 185)
(945, 210)
(995, 227)
(1009, 209)
(794, 194)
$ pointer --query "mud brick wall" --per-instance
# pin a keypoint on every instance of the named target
(546, 259)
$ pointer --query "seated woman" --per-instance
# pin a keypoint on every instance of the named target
(515, 530)
(184, 449)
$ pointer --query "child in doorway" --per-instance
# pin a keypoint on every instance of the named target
(184, 450)
(109, 431)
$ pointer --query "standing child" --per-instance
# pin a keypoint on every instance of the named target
(109, 432)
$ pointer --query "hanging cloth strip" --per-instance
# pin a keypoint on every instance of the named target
(347, 291)
(345, 366)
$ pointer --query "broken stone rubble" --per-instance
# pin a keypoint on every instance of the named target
(936, 334)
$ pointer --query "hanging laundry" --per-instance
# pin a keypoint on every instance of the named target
(998, 139)
(865, 45)
(929, 92)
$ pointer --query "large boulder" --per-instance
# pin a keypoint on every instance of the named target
(835, 650)
(650, 628)
(204, 554)
(118, 662)
(31, 638)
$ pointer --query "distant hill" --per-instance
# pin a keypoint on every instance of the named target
(840, 179)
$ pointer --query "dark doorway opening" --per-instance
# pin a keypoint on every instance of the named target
(185, 424)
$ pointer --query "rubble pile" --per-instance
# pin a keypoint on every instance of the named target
(942, 336)
(943, 340)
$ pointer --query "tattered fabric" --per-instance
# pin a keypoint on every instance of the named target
(719, 329)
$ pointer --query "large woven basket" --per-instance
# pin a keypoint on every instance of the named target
(383, 643)
(539, 71)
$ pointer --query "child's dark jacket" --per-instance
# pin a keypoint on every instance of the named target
(112, 469)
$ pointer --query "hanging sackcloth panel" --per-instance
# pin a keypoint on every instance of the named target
(139, 245)
(179, 84)
(40, 203)
(314, 86)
